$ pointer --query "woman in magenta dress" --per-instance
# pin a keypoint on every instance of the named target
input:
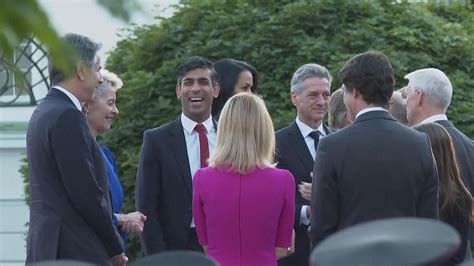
(243, 207)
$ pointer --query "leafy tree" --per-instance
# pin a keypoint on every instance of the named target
(277, 37)
(20, 20)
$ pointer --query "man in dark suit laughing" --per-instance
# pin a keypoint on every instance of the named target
(170, 156)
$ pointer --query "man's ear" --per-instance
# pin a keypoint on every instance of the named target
(80, 70)
(357, 94)
(217, 90)
(421, 98)
(178, 91)
(293, 97)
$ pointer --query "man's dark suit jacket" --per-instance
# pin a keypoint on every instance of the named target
(292, 154)
(373, 169)
(164, 189)
(70, 213)
(464, 149)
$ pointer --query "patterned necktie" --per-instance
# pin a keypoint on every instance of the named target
(315, 136)
(203, 144)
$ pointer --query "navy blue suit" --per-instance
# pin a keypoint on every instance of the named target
(70, 213)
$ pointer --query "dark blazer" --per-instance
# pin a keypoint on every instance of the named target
(164, 189)
(70, 213)
(292, 154)
(464, 149)
(373, 169)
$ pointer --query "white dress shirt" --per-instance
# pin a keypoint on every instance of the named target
(370, 109)
(305, 130)
(70, 96)
(434, 118)
(192, 143)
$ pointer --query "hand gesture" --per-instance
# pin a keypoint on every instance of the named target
(119, 260)
(305, 190)
(132, 223)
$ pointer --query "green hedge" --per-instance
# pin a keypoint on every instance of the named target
(277, 37)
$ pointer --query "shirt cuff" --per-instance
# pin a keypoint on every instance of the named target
(303, 218)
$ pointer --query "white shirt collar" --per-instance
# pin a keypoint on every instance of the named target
(434, 118)
(70, 96)
(305, 129)
(370, 109)
(189, 124)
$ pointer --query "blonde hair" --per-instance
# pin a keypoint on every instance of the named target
(245, 135)
(109, 80)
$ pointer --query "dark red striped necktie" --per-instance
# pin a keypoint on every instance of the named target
(203, 144)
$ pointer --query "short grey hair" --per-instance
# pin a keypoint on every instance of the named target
(86, 50)
(109, 80)
(434, 84)
(306, 71)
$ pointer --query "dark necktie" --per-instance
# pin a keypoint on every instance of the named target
(203, 144)
(315, 136)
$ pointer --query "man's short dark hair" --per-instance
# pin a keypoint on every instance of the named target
(196, 62)
(372, 75)
(85, 48)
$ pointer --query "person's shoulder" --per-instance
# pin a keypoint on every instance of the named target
(206, 174)
(457, 134)
(338, 134)
(283, 131)
(279, 173)
(329, 130)
(410, 132)
(207, 170)
(161, 129)
(68, 116)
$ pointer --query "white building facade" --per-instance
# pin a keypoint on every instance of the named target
(19, 94)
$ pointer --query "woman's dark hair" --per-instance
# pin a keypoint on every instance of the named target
(228, 71)
(453, 194)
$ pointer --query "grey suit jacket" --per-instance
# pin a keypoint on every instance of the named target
(70, 211)
(373, 169)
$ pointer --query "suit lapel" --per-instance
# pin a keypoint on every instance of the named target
(298, 144)
(180, 152)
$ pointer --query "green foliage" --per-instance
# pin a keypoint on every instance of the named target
(120, 8)
(277, 37)
(20, 20)
(26, 178)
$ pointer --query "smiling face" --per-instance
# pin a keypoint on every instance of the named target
(244, 82)
(101, 111)
(196, 93)
(312, 102)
